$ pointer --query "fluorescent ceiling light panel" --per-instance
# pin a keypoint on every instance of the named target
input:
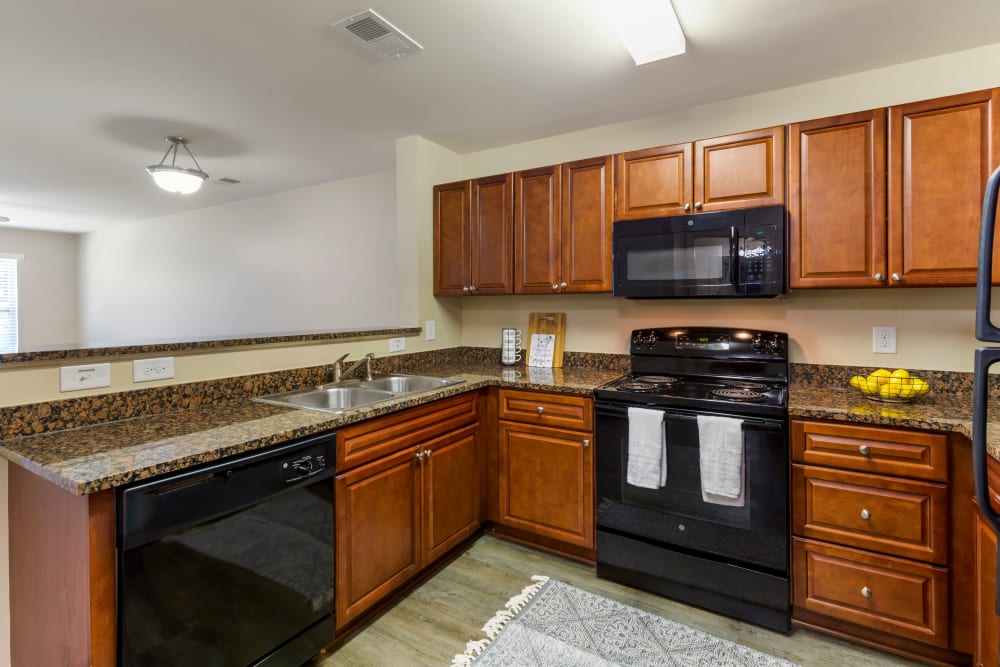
(648, 28)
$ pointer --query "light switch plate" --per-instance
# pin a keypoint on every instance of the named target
(144, 370)
(87, 376)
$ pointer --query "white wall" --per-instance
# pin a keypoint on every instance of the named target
(319, 258)
(47, 284)
(934, 326)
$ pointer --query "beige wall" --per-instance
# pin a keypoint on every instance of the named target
(934, 326)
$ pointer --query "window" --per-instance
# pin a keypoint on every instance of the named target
(8, 302)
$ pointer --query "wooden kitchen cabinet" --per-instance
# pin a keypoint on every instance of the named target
(411, 494)
(734, 171)
(941, 152)
(546, 474)
(987, 642)
(473, 237)
(563, 228)
(872, 515)
(836, 201)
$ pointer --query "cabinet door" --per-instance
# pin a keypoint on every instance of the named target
(653, 182)
(587, 195)
(452, 242)
(740, 170)
(492, 235)
(836, 201)
(546, 482)
(940, 155)
(987, 623)
(378, 545)
(537, 237)
(450, 492)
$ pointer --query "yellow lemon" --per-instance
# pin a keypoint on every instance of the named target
(857, 381)
(907, 390)
(871, 386)
(920, 387)
(889, 389)
(900, 373)
(882, 376)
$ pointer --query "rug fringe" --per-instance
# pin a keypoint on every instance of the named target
(499, 620)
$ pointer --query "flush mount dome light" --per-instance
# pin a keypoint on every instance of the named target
(173, 178)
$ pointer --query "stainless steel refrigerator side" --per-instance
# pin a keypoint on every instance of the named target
(985, 329)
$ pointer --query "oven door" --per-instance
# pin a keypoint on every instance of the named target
(675, 515)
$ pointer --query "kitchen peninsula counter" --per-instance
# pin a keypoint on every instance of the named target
(101, 456)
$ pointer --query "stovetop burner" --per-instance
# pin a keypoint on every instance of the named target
(746, 385)
(637, 386)
(658, 380)
(739, 394)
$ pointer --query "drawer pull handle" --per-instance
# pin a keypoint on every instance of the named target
(864, 450)
(540, 409)
(867, 592)
(586, 443)
(865, 514)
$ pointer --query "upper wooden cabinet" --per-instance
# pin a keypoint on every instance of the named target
(933, 161)
(562, 226)
(940, 154)
(473, 237)
(735, 171)
(836, 201)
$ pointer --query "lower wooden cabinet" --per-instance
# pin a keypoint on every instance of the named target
(546, 474)
(398, 514)
(987, 622)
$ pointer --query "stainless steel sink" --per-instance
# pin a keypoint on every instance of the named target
(356, 393)
(407, 384)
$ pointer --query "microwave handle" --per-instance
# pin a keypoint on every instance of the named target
(734, 267)
(985, 330)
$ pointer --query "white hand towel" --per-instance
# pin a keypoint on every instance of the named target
(647, 448)
(720, 444)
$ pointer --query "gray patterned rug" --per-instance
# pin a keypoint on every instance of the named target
(552, 624)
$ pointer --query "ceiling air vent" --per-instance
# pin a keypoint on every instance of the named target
(378, 34)
(229, 181)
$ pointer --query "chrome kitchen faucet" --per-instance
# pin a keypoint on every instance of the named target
(339, 372)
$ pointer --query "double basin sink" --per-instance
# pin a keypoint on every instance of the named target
(347, 394)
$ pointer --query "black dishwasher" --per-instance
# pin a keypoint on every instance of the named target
(230, 564)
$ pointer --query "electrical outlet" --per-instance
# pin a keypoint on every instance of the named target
(884, 340)
(144, 370)
(429, 332)
(397, 344)
(75, 378)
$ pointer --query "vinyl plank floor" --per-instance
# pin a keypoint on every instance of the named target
(433, 623)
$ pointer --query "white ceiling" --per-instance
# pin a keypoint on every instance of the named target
(269, 94)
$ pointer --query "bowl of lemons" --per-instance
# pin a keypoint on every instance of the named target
(896, 386)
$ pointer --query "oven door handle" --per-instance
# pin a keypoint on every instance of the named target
(611, 410)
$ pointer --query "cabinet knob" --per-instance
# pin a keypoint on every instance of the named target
(879, 277)
(865, 591)
(897, 277)
(697, 205)
(865, 514)
(555, 287)
(687, 206)
(466, 289)
(586, 442)
(540, 409)
(472, 288)
(562, 285)
(420, 455)
(428, 452)
(863, 449)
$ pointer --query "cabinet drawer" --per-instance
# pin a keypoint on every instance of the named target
(894, 516)
(897, 596)
(369, 440)
(917, 454)
(559, 410)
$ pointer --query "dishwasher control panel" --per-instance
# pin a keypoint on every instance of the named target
(302, 467)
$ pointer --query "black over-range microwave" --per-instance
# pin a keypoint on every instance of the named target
(725, 254)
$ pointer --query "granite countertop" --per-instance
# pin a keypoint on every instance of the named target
(106, 455)
(103, 456)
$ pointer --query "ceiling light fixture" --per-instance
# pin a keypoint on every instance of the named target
(649, 28)
(172, 178)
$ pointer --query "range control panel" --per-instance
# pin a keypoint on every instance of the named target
(715, 342)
